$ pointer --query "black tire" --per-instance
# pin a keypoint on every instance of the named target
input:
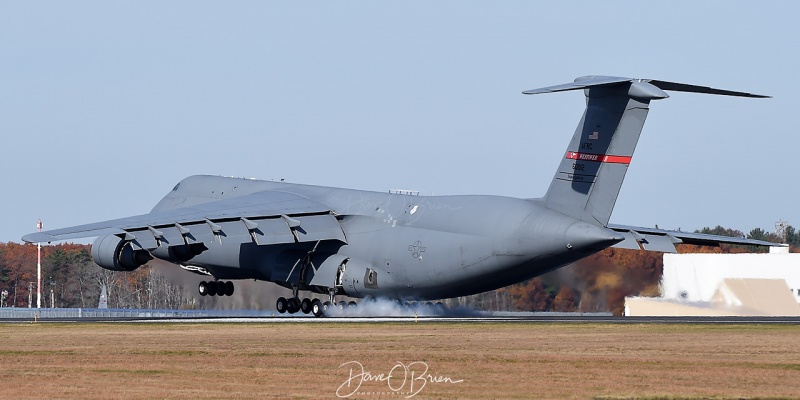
(352, 304)
(294, 305)
(203, 288)
(326, 306)
(317, 308)
(341, 305)
(281, 305)
(229, 288)
(305, 306)
(212, 288)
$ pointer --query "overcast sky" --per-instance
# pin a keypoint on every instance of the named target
(104, 106)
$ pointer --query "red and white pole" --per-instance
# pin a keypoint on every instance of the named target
(39, 269)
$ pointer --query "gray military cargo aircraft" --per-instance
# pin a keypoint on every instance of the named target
(398, 244)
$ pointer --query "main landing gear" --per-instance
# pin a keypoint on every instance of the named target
(215, 288)
(294, 304)
(306, 306)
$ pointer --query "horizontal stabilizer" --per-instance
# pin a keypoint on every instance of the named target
(580, 83)
(587, 82)
(682, 87)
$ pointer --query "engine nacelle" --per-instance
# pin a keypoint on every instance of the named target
(359, 279)
(180, 253)
(115, 254)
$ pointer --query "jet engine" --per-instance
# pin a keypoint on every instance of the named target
(115, 254)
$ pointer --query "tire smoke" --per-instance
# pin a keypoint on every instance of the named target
(382, 307)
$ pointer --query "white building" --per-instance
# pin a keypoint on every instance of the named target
(696, 277)
(725, 285)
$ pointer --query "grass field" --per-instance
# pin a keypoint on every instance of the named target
(491, 360)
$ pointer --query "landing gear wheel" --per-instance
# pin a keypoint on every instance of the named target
(352, 304)
(305, 306)
(229, 288)
(212, 288)
(281, 305)
(326, 306)
(317, 308)
(294, 305)
(203, 288)
(341, 305)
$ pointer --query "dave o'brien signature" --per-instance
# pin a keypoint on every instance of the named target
(411, 378)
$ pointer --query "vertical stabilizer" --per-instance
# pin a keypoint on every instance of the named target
(590, 175)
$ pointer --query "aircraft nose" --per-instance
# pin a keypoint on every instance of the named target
(583, 235)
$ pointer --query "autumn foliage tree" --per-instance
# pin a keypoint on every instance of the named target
(71, 279)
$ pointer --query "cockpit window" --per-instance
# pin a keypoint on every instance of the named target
(176, 187)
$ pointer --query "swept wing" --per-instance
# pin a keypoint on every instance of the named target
(265, 217)
(655, 239)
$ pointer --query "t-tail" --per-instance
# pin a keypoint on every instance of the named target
(589, 178)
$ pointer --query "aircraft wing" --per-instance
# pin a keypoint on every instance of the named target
(638, 238)
(265, 217)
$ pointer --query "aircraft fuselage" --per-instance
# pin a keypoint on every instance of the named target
(421, 247)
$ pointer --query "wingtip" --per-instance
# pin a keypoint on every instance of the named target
(38, 237)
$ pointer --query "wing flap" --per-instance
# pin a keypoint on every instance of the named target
(655, 239)
(630, 242)
(635, 240)
(273, 231)
(659, 243)
(262, 231)
(318, 227)
(143, 239)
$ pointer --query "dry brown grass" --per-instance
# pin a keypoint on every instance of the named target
(289, 360)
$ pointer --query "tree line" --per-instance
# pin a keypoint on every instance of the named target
(601, 282)
(70, 278)
(598, 283)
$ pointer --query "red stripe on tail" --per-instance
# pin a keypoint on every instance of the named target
(604, 158)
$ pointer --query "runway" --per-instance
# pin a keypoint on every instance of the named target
(488, 319)
(505, 319)
(371, 313)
